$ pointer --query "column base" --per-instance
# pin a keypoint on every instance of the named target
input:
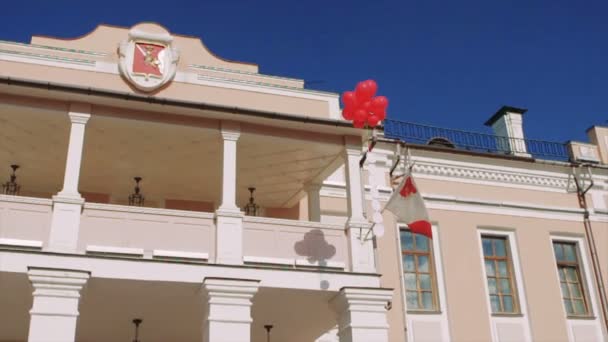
(361, 250)
(65, 223)
(229, 236)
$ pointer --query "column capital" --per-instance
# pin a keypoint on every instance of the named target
(312, 186)
(230, 287)
(79, 113)
(57, 284)
(230, 130)
(57, 278)
(362, 313)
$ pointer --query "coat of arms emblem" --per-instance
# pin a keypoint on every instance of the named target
(147, 60)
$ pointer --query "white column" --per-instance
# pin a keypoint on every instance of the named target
(362, 314)
(229, 218)
(54, 311)
(67, 204)
(228, 308)
(314, 202)
(361, 252)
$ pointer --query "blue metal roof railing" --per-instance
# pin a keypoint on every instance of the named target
(473, 141)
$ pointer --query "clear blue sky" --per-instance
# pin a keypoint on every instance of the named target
(445, 63)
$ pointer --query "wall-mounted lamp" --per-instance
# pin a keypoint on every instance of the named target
(251, 208)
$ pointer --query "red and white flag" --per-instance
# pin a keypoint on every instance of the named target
(407, 204)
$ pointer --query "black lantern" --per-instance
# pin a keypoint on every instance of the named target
(11, 187)
(251, 208)
(268, 327)
(136, 198)
(137, 322)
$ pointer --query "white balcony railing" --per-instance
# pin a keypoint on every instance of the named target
(24, 221)
(293, 243)
(161, 233)
(139, 232)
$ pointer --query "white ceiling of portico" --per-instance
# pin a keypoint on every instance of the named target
(176, 161)
(37, 141)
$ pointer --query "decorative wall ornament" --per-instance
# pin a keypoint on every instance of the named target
(147, 60)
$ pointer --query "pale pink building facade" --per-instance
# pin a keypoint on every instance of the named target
(81, 257)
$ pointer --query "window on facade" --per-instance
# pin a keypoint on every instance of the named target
(568, 267)
(420, 289)
(499, 274)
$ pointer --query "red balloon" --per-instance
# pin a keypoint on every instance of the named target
(360, 115)
(380, 114)
(347, 113)
(379, 103)
(349, 99)
(373, 120)
(373, 86)
(364, 92)
(358, 124)
(367, 106)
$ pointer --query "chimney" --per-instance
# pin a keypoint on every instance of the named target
(598, 136)
(507, 125)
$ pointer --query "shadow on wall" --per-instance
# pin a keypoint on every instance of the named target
(315, 248)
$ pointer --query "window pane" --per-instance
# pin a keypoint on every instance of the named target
(412, 300)
(507, 303)
(427, 300)
(408, 263)
(490, 272)
(499, 246)
(487, 246)
(502, 269)
(505, 286)
(559, 252)
(425, 281)
(422, 242)
(495, 304)
(569, 253)
(565, 292)
(575, 291)
(571, 274)
(492, 286)
(568, 305)
(423, 263)
(562, 273)
(579, 307)
(410, 281)
(407, 241)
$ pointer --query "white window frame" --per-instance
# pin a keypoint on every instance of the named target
(593, 321)
(522, 316)
(440, 316)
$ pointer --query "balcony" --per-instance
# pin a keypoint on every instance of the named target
(184, 173)
(174, 235)
(473, 141)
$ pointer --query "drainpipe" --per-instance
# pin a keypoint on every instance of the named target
(582, 201)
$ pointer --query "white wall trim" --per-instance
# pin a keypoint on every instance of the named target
(440, 317)
(146, 210)
(21, 243)
(521, 293)
(116, 267)
(161, 253)
(292, 223)
(589, 286)
(115, 250)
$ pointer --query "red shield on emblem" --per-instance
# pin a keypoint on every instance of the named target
(147, 59)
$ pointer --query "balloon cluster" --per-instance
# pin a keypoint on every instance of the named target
(362, 107)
